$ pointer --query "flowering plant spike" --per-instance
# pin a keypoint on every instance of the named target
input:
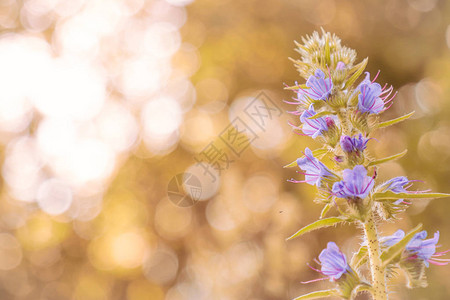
(341, 106)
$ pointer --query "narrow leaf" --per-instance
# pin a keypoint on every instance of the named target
(325, 209)
(393, 251)
(389, 195)
(292, 164)
(296, 87)
(327, 52)
(358, 69)
(395, 121)
(321, 114)
(318, 294)
(359, 258)
(387, 159)
(317, 225)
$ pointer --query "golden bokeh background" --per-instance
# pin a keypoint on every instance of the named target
(103, 102)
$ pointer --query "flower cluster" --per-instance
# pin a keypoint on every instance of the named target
(342, 114)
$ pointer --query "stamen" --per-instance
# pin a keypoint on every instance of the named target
(294, 103)
(294, 112)
(292, 180)
(437, 254)
(376, 76)
(312, 268)
(441, 259)
(292, 125)
(371, 179)
(306, 92)
(306, 174)
(302, 134)
(314, 280)
(384, 90)
(438, 263)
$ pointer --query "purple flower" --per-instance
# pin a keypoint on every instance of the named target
(313, 127)
(356, 183)
(333, 262)
(319, 86)
(357, 143)
(373, 98)
(301, 97)
(396, 185)
(391, 240)
(369, 100)
(424, 249)
(314, 169)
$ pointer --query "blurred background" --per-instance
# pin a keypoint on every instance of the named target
(104, 102)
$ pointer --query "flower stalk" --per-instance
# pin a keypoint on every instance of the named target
(379, 288)
(342, 114)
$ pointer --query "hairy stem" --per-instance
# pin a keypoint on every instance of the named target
(379, 290)
(342, 115)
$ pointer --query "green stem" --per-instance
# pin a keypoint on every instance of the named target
(342, 115)
(379, 290)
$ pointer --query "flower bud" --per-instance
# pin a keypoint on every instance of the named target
(346, 143)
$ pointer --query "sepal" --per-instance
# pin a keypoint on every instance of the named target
(415, 273)
(321, 114)
(356, 71)
(389, 209)
(360, 121)
(360, 257)
(333, 134)
(348, 283)
(355, 158)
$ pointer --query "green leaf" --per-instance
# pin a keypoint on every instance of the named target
(393, 251)
(296, 87)
(317, 225)
(387, 159)
(395, 121)
(389, 195)
(358, 69)
(318, 294)
(291, 165)
(359, 258)
(327, 51)
(321, 114)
